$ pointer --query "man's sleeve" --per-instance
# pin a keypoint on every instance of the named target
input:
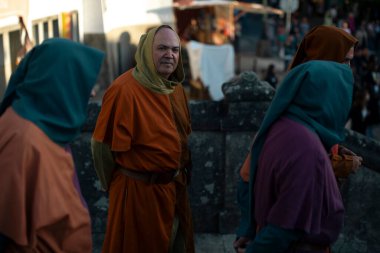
(103, 162)
(273, 239)
(245, 229)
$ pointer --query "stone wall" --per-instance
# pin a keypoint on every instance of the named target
(222, 133)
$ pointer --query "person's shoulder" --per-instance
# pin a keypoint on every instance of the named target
(322, 67)
(23, 133)
(123, 80)
(122, 85)
(298, 135)
(292, 145)
(329, 71)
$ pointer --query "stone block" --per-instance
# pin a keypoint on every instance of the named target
(93, 110)
(361, 224)
(207, 183)
(366, 147)
(247, 87)
(237, 148)
(214, 243)
(96, 199)
(244, 116)
(206, 115)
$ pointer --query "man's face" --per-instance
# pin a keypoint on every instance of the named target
(165, 52)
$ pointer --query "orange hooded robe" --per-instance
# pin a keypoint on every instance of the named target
(147, 132)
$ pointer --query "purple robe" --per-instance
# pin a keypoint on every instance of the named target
(295, 186)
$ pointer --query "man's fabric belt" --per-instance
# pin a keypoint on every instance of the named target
(151, 177)
(311, 247)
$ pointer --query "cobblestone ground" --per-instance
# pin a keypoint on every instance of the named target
(204, 243)
(214, 243)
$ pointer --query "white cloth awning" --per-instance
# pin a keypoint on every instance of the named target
(247, 7)
(213, 65)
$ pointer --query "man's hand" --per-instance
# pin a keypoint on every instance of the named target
(345, 151)
(356, 163)
(356, 160)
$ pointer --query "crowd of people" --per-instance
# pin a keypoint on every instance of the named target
(365, 112)
(363, 23)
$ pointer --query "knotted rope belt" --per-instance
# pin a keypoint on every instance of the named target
(151, 177)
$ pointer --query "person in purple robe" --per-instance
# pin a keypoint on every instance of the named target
(291, 202)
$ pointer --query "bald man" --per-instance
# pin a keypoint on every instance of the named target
(141, 154)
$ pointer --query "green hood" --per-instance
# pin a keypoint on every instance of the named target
(52, 85)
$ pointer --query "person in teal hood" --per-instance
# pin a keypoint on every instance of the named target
(289, 195)
(42, 111)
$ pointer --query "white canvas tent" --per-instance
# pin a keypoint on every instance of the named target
(246, 7)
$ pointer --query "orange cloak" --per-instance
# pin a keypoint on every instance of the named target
(40, 208)
(147, 132)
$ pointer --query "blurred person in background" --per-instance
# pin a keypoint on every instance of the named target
(43, 109)
(270, 76)
(372, 84)
(359, 114)
(290, 48)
